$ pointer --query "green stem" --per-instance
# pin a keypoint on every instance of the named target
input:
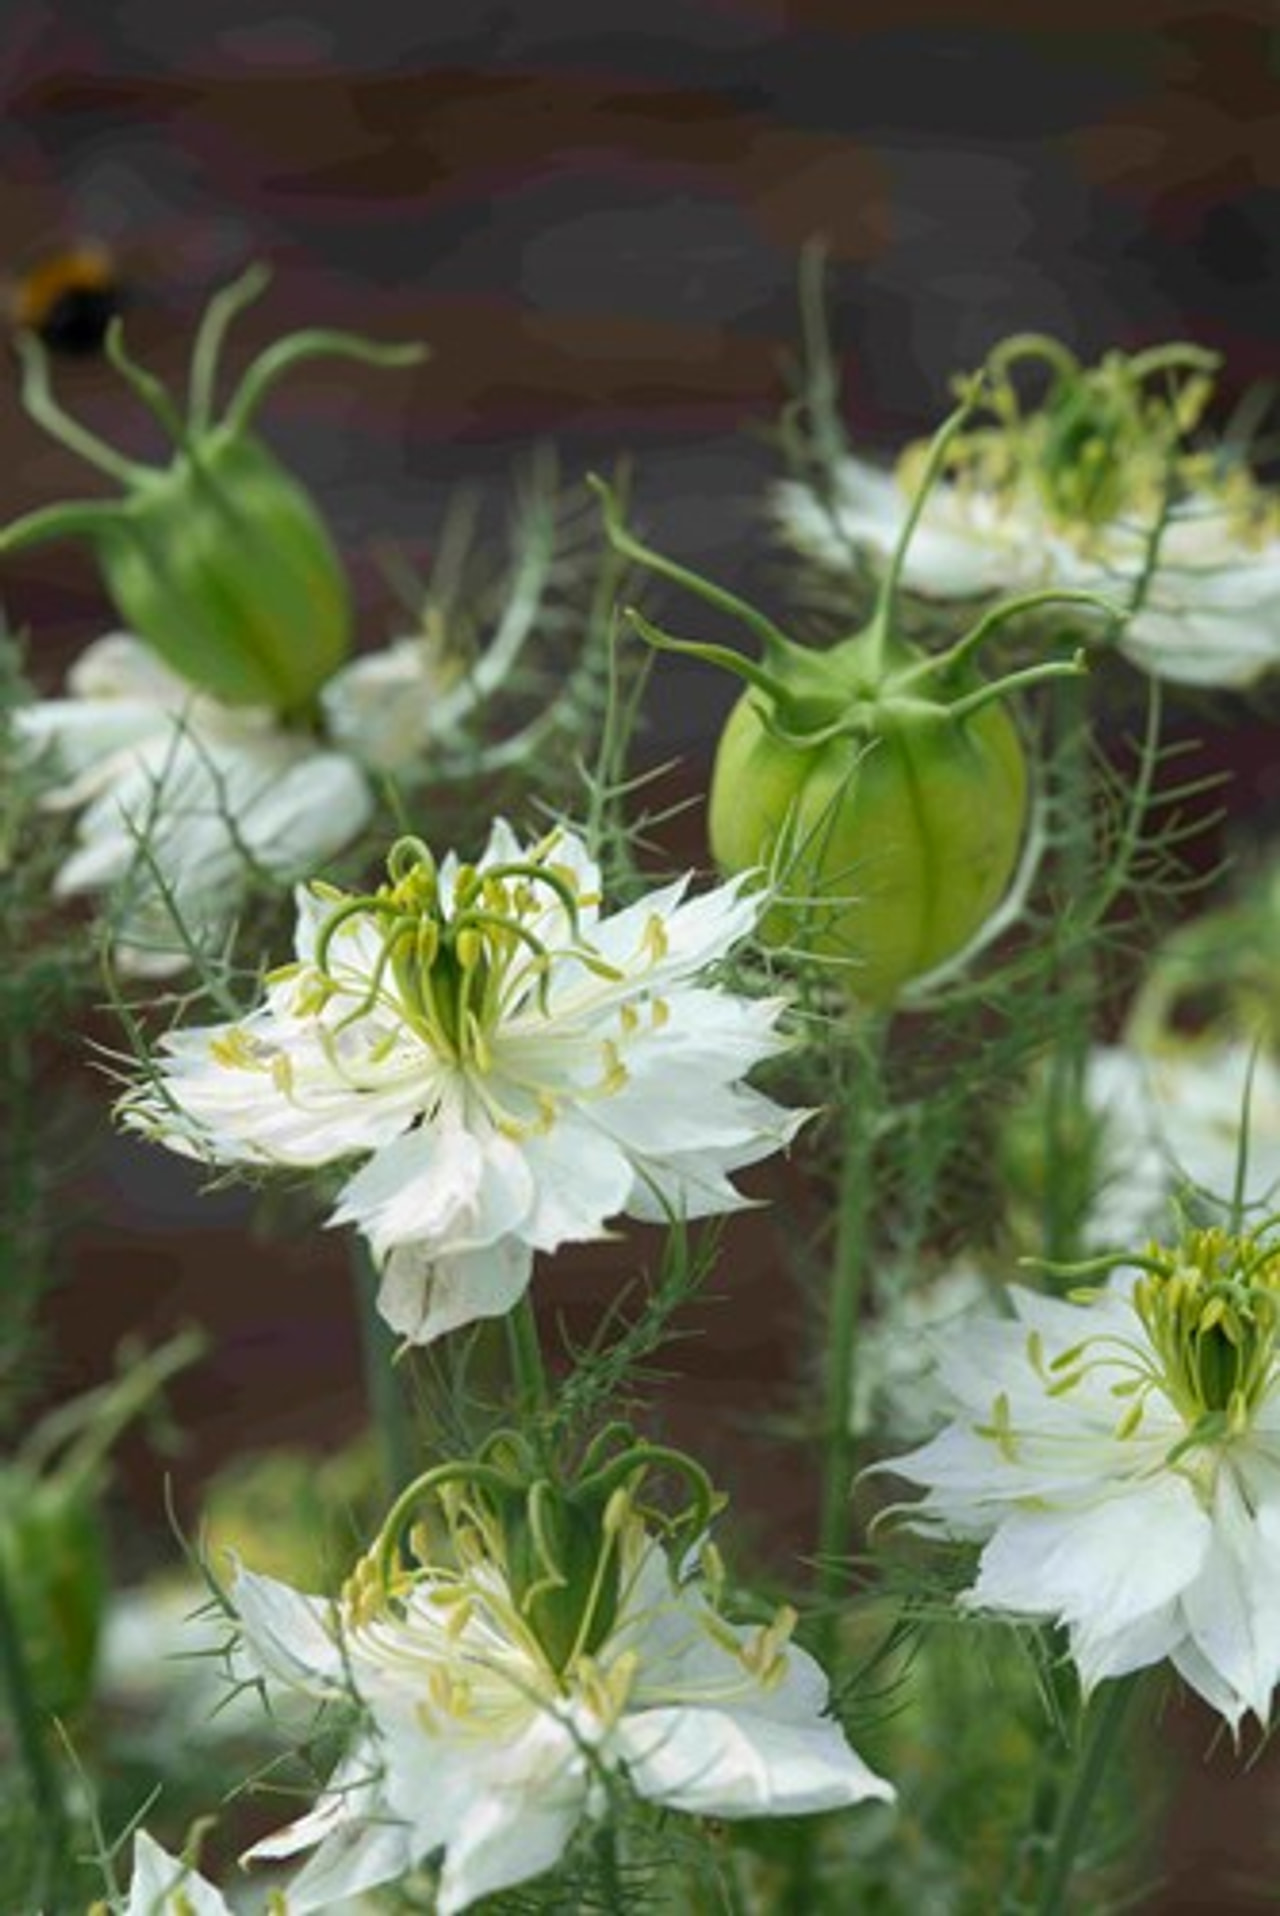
(1097, 1750)
(384, 1390)
(46, 1796)
(607, 1870)
(526, 1358)
(1067, 1173)
(847, 1282)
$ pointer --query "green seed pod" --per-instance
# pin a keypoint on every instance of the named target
(883, 789)
(220, 560)
(894, 840)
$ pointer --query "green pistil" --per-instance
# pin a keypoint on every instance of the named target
(1211, 1309)
(459, 968)
(1102, 443)
(560, 1542)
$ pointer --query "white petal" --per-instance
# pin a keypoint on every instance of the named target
(1082, 1564)
(581, 1179)
(160, 1880)
(350, 1860)
(288, 1634)
(423, 1295)
(443, 1187)
(1230, 1610)
(733, 1762)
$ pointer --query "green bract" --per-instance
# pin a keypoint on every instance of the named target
(883, 789)
(220, 560)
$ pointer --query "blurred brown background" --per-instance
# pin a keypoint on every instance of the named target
(594, 215)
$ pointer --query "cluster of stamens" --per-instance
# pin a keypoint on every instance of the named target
(456, 967)
(548, 1567)
(1209, 1312)
(1108, 444)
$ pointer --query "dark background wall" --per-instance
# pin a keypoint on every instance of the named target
(594, 214)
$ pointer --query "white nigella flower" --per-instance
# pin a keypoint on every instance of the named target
(1171, 1118)
(896, 1389)
(515, 1067)
(496, 1706)
(217, 795)
(163, 1885)
(1071, 496)
(1118, 1457)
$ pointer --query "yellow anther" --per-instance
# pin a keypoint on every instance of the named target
(655, 940)
(1000, 1429)
(235, 1050)
(629, 1019)
(1131, 1419)
(469, 946)
(282, 1074)
(616, 1075)
(617, 1512)
(711, 1564)
(659, 1013)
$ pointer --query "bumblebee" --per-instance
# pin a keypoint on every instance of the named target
(69, 298)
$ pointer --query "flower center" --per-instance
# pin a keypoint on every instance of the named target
(463, 958)
(1211, 1309)
(1105, 444)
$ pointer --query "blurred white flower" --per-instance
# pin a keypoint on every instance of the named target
(481, 1743)
(1173, 1117)
(1118, 1457)
(516, 1068)
(183, 802)
(967, 544)
(1070, 495)
(896, 1388)
(163, 1885)
(388, 707)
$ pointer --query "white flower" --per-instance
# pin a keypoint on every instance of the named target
(515, 1067)
(219, 794)
(479, 1743)
(1119, 1460)
(1173, 1117)
(895, 1387)
(163, 1885)
(967, 544)
(388, 707)
(1210, 614)
(1068, 496)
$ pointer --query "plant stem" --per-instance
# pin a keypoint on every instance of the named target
(606, 1849)
(526, 1358)
(46, 1796)
(1067, 1172)
(384, 1390)
(1098, 1746)
(847, 1278)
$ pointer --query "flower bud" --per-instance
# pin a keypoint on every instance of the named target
(220, 560)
